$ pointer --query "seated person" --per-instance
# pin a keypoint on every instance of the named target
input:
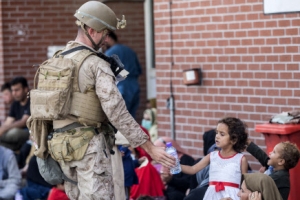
(10, 177)
(150, 182)
(8, 99)
(147, 174)
(36, 187)
(14, 133)
(257, 186)
(6, 94)
(285, 156)
(149, 122)
(130, 177)
(177, 184)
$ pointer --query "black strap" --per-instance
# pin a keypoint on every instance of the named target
(68, 127)
(74, 49)
(114, 61)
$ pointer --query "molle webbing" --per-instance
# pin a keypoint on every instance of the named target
(87, 107)
(78, 59)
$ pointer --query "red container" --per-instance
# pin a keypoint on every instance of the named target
(275, 133)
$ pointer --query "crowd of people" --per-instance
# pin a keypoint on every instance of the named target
(134, 166)
(19, 174)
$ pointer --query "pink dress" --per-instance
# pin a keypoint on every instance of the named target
(224, 176)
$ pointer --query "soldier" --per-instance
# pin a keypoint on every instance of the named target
(93, 172)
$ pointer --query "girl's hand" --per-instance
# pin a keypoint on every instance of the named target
(254, 196)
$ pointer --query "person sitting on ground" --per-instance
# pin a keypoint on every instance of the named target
(226, 165)
(130, 177)
(150, 182)
(284, 156)
(10, 177)
(177, 184)
(8, 99)
(7, 94)
(149, 122)
(14, 132)
(146, 173)
(257, 186)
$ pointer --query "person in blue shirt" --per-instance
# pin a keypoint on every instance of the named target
(129, 88)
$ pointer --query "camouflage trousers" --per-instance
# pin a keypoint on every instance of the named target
(93, 173)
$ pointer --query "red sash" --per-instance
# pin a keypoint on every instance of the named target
(221, 185)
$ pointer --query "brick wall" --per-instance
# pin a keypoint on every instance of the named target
(29, 27)
(2, 106)
(250, 64)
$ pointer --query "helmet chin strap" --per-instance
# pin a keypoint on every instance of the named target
(95, 46)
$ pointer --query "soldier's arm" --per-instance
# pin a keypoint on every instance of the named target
(115, 109)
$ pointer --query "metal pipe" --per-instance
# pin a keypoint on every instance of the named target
(171, 99)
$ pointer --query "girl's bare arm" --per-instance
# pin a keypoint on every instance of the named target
(197, 167)
(244, 165)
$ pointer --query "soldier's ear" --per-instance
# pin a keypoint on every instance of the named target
(91, 31)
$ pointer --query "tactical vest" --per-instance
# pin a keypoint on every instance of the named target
(85, 106)
(58, 93)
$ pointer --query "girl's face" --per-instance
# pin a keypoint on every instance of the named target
(244, 192)
(222, 136)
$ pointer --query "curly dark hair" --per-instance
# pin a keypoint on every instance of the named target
(291, 154)
(237, 131)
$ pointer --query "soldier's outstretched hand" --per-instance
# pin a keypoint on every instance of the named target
(159, 154)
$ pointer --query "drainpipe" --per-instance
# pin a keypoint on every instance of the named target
(171, 104)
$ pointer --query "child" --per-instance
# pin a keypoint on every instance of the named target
(226, 165)
(284, 156)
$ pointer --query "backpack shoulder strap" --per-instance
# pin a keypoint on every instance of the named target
(115, 63)
(75, 49)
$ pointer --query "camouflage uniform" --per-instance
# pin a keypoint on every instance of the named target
(94, 172)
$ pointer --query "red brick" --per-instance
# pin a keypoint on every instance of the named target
(292, 49)
(285, 40)
(284, 23)
(279, 50)
(292, 31)
(271, 41)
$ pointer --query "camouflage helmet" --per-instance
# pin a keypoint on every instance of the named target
(98, 16)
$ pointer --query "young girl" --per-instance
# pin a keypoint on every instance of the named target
(226, 165)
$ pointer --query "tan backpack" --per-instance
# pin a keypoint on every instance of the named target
(51, 100)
